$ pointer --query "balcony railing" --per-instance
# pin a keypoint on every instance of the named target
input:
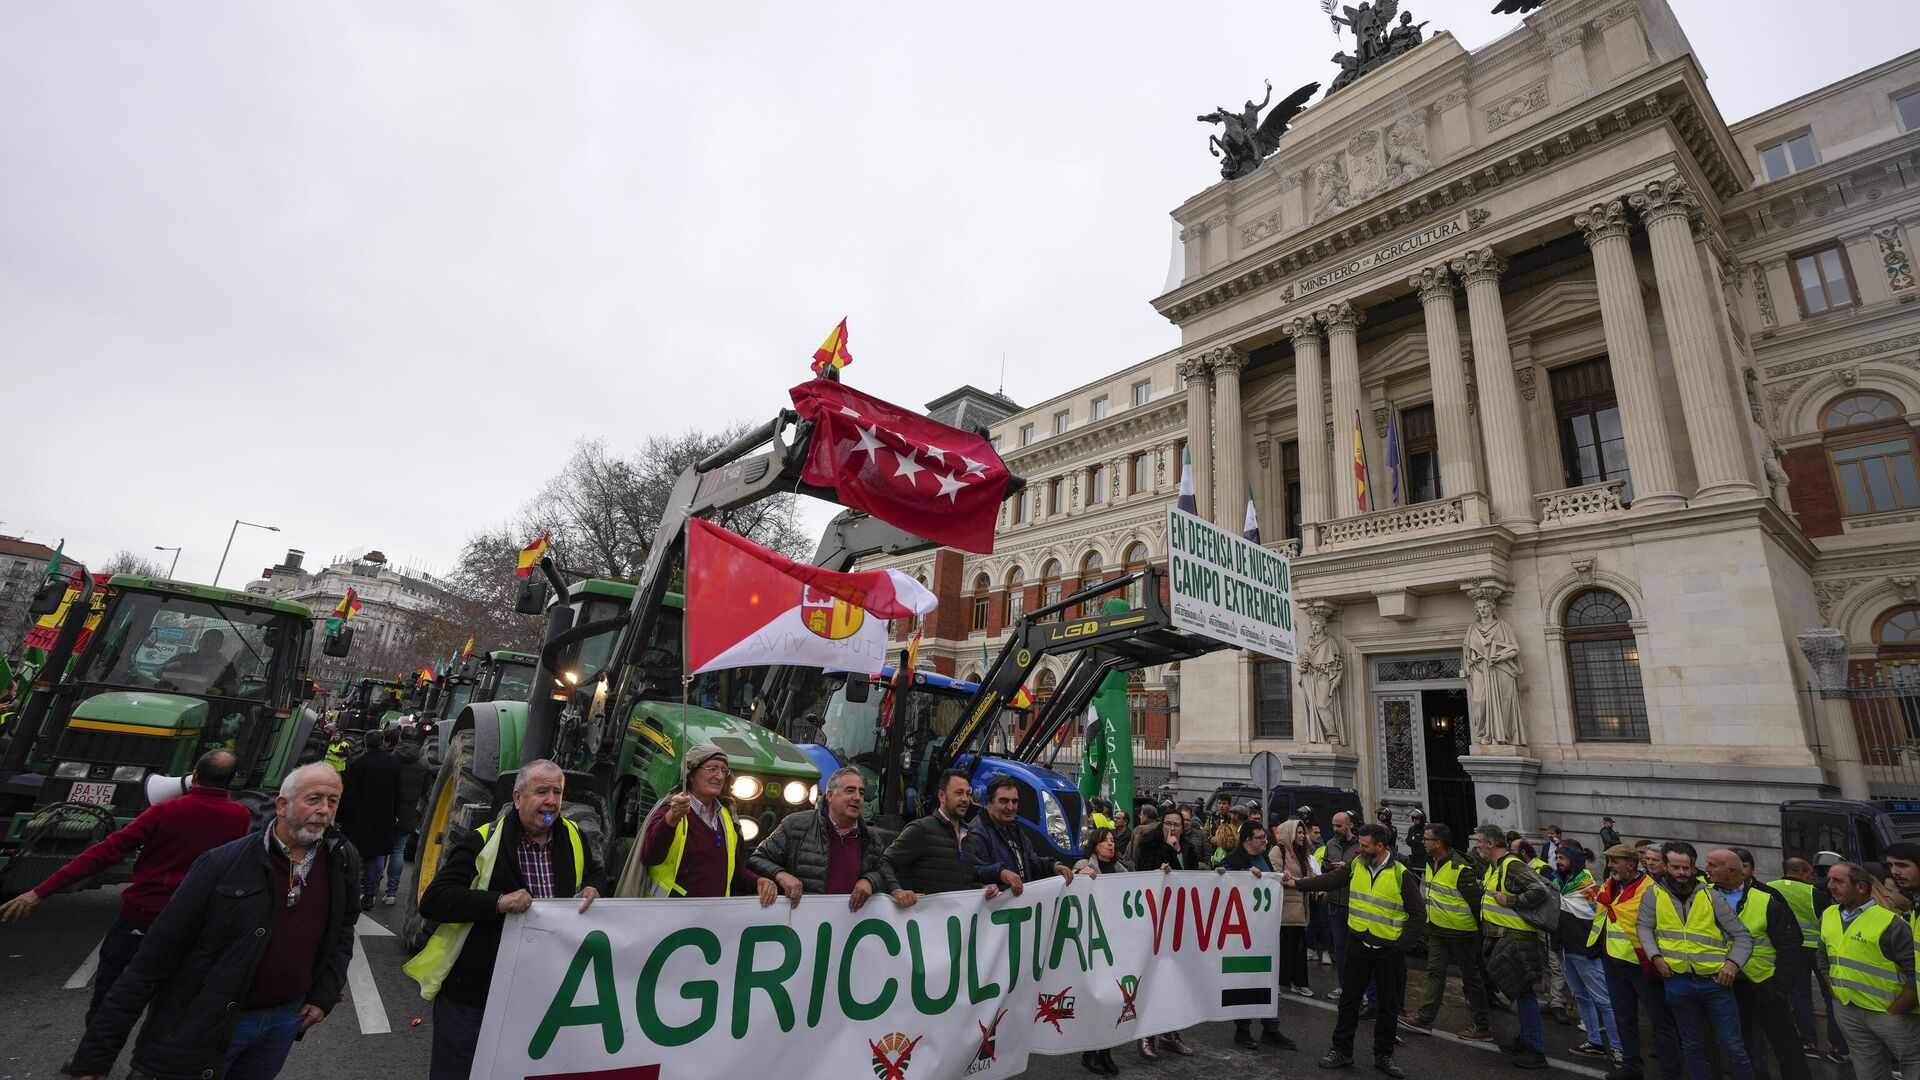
(1581, 503)
(1401, 521)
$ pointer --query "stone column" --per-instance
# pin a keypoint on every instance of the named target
(1458, 474)
(1199, 432)
(1343, 351)
(1826, 651)
(1229, 478)
(1310, 423)
(1699, 363)
(1501, 426)
(1623, 317)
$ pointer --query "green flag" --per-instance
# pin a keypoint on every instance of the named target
(1107, 763)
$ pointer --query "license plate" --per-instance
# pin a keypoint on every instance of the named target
(97, 794)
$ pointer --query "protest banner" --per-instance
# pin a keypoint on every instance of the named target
(1227, 587)
(955, 986)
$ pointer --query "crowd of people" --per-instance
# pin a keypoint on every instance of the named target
(234, 939)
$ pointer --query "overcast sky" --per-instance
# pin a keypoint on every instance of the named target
(366, 270)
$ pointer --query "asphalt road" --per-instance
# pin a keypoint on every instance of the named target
(46, 961)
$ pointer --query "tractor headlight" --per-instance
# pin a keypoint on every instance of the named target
(72, 770)
(794, 792)
(746, 789)
(1055, 821)
(129, 772)
(813, 793)
(749, 829)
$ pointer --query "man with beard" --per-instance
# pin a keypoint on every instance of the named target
(931, 854)
(1698, 945)
(251, 951)
(1808, 897)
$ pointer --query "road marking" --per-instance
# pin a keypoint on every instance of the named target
(83, 975)
(367, 1007)
(1567, 1066)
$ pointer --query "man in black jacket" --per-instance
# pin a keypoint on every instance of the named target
(829, 850)
(251, 951)
(1764, 998)
(540, 855)
(930, 854)
(370, 814)
(1002, 853)
(416, 776)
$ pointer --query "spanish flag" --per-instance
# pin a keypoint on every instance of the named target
(1022, 699)
(832, 353)
(467, 650)
(530, 556)
(349, 606)
(426, 674)
(1359, 466)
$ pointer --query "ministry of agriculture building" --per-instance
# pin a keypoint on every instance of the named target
(1649, 380)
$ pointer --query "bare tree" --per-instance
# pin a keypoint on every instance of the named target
(126, 562)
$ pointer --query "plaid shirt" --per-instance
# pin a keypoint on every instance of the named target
(536, 868)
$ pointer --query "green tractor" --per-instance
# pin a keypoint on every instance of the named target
(172, 670)
(504, 676)
(372, 704)
(498, 676)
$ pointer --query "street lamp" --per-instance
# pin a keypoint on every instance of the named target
(176, 557)
(236, 528)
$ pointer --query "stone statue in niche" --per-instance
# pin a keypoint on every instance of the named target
(1407, 155)
(1493, 675)
(1321, 667)
(1329, 188)
(1777, 479)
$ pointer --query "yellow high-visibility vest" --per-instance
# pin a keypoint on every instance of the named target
(1753, 915)
(1799, 897)
(1861, 974)
(1692, 943)
(1447, 907)
(663, 880)
(1492, 911)
(1373, 902)
(430, 965)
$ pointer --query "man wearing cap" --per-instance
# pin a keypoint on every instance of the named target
(1609, 836)
(1866, 952)
(691, 843)
(1809, 900)
(1631, 983)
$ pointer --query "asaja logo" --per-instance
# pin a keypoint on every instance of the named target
(1129, 989)
(890, 1055)
(1054, 1008)
(984, 1057)
(828, 616)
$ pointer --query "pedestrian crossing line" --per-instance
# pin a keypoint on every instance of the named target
(1564, 1066)
(82, 976)
(367, 1006)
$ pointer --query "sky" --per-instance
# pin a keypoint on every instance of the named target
(366, 271)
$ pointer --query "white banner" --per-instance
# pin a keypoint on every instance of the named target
(1228, 587)
(953, 987)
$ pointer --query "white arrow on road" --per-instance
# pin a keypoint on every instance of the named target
(366, 994)
(83, 975)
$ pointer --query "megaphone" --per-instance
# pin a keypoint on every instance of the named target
(160, 787)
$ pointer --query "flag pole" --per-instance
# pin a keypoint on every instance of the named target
(686, 677)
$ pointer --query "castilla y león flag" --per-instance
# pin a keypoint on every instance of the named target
(933, 480)
(747, 605)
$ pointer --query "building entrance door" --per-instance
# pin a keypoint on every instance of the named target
(1419, 716)
(1449, 788)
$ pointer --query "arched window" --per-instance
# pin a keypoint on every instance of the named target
(1870, 446)
(1090, 568)
(1603, 669)
(1016, 595)
(982, 588)
(1136, 561)
(1897, 633)
(1050, 585)
(1043, 685)
(1899, 629)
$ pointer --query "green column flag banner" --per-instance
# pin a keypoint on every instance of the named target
(950, 988)
(1107, 762)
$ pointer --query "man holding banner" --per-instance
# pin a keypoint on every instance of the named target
(690, 845)
(828, 850)
(1003, 854)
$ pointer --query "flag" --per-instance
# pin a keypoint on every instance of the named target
(932, 480)
(1396, 484)
(53, 562)
(1186, 501)
(747, 605)
(832, 353)
(530, 556)
(1251, 530)
(348, 607)
(426, 673)
(1359, 466)
(911, 662)
(467, 649)
(1022, 699)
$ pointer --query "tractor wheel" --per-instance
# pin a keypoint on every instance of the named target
(441, 826)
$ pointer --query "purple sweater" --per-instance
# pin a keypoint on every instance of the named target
(703, 864)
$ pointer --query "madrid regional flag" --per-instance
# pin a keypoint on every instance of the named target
(748, 605)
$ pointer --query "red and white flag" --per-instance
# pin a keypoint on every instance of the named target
(748, 605)
(933, 480)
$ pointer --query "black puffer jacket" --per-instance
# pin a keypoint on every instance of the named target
(926, 859)
(1155, 852)
(798, 846)
(198, 960)
(415, 777)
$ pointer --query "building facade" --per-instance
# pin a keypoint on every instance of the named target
(1587, 417)
(23, 564)
(394, 603)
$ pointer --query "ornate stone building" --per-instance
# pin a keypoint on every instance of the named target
(1630, 392)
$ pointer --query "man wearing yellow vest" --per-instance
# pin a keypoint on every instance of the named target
(1866, 951)
(530, 853)
(1809, 900)
(1386, 921)
(1453, 934)
(1698, 945)
(1631, 982)
(1516, 949)
(1779, 958)
(690, 845)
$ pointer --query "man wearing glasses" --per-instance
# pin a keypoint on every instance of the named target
(251, 951)
(691, 843)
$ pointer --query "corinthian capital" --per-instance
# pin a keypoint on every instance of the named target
(1305, 328)
(1342, 315)
(1662, 199)
(1604, 221)
(1225, 360)
(1196, 367)
(1433, 284)
(1478, 265)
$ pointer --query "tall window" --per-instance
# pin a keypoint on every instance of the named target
(1871, 447)
(1098, 410)
(1050, 585)
(1908, 106)
(1822, 279)
(1139, 474)
(1603, 669)
(1592, 446)
(1272, 699)
(982, 596)
(1290, 476)
(1142, 392)
(1788, 156)
(1420, 449)
(1020, 508)
(1060, 420)
(1090, 568)
(1135, 562)
(1016, 595)
(1056, 496)
(1097, 484)
(1026, 434)
(1897, 633)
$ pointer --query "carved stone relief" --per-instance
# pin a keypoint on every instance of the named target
(1513, 108)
